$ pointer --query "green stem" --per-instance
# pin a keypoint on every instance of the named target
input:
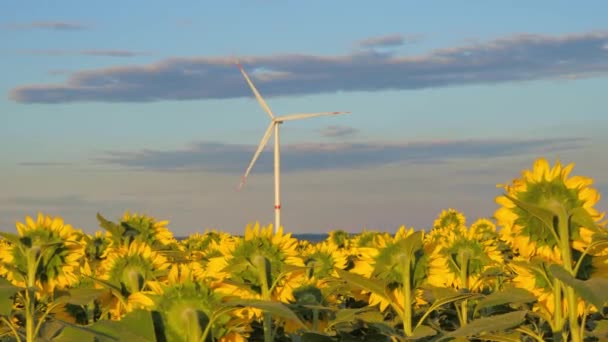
(260, 262)
(43, 317)
(464, 276)
(530, 333)
(213, 317)
(193, 333)
(315, 319)
(407, 295)
(564, 233)
(557, 326)
(10, 325)
(583, 321)
(33, 258)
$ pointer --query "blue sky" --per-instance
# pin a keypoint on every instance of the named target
(114, 106)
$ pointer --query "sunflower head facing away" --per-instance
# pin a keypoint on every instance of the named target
(56, 247)
(545, 187)
(239, 262)
(141, 228)
(450, 221)
(463, 261)
(134, 268)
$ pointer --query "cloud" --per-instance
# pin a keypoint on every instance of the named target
(229, 158)
(520, 57)
(391, 40)
(382, 41)
(49, 25)
(91, 52)
(338, 131)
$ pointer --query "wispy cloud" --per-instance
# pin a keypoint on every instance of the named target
(338, 131)
(390, 40)
(382, 41)
(521, 57)
(229, 158)
(91, 52)
(49, 25)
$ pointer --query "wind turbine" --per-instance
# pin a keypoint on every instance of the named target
(275, 121)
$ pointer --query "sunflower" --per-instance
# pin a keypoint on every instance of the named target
(338, 238)
(202, 247)
(449, 221)
(533, 275)
(484, 230)
(364, 249)
(309, 295)
(96, 249)
(187, 305)
(139, 227)
(260, 257)
(137, 271)
(389, 268)
(53, 246)
(323, 258)
(545, 187)
(462, 260)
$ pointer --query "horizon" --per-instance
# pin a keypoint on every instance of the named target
(109, 112)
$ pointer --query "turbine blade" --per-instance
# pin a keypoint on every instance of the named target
(257, 153)
(255, 91)
(305, 116)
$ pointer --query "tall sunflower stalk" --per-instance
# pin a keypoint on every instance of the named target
(540, 216)
(45, 255)
(261, 265)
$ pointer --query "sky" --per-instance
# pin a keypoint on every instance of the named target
(136, 106)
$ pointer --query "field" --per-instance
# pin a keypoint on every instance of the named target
(535, 270)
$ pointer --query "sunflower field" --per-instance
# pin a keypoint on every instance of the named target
(536, 271)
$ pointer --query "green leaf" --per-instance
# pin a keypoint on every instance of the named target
(314, 337)
(136, 326)
(543, 214)
(13, 238)
(114, 229)
(600, 330)
(580, 216)
(274, 308)
(50, 330)
(512, 337)
(413, 243)
(511, 295)
(383, 328)
(73, 332)
(348, 315)
(106, 284)
(363, 283)
(443, 296)
(593, 290)
(372, 316)
(489, 324)
(422, 331)
(78, 296)
(7, 291)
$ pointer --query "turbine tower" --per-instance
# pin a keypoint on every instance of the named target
(275, 121)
